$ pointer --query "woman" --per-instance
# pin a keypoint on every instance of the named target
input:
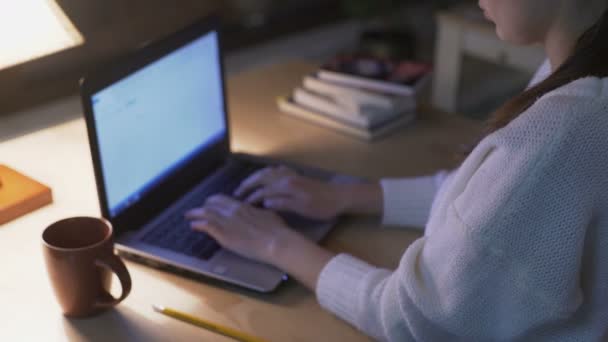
(516, 239)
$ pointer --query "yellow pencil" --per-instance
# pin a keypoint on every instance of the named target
(229, 332)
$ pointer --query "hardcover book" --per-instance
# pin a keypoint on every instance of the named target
(402, 78)
(358, 98)
(20, 194)
(364, 117)
(289, 107)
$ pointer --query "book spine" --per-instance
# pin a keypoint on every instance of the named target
(307, 99)
(350, 95)
(395, 89)
(289, 108)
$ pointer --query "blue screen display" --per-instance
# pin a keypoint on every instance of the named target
(156, 119)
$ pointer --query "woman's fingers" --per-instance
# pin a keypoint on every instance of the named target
(261, 178)
(261, 193)
(206, 213)
(283, 203)
(255, 180)
(237, 226)
(205, 226)
(232, 210)
(209, 221)
(281, 188)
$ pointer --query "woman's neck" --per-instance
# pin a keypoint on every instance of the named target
(558, 48)
(562, 37)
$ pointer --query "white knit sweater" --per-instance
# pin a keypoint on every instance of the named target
(516, 239)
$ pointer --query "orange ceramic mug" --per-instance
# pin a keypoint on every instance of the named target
(79, 258)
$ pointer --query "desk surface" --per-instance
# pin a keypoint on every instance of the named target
(59, 157)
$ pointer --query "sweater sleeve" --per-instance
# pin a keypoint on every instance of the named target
(408, 201)
(506, 259)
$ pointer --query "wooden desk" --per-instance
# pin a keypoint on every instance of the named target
(59, 156)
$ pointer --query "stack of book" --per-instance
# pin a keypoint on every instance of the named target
(360, 96)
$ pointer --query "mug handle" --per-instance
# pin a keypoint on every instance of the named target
(113, 263)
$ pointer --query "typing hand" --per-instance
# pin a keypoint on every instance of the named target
(237, 226)
(282, 189)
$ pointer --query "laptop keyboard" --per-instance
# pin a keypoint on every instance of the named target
(174, 232)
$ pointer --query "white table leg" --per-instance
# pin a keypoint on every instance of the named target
(448, 60)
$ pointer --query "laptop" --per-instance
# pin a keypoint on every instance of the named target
(160, 143)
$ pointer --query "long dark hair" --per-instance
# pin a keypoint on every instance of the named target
(589, 58)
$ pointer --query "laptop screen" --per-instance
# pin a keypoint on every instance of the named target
(157, 119)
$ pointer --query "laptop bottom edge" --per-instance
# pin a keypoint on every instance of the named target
(225, 266)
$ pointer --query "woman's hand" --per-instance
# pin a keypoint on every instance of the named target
(280, 188)
(248, 231)
(261, 235)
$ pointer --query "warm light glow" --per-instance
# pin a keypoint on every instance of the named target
(33, 28)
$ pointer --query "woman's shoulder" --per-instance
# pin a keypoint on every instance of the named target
(584, 89)
(570, 120)
(579, 103)
(574, 114)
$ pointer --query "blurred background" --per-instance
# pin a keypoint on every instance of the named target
(257, 33)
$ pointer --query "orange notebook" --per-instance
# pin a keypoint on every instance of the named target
(20, 194)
